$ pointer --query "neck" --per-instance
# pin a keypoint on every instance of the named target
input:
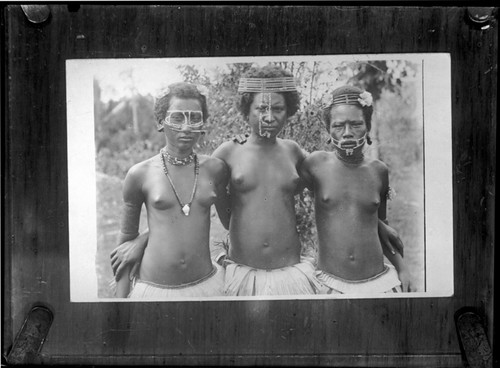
(356, 158)
(176, 152)
(256, 138)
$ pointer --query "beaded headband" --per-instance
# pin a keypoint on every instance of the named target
(267, 85)
(349, 98)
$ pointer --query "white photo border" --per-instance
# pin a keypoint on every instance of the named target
(438, 185)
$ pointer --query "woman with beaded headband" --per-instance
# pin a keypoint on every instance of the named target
(351, 191)
(177, 187)
(264, 255)
(265, 252)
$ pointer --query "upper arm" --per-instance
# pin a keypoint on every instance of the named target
(299, 155)
(222, 152)
(383, 173)
(133, 199)
(220, 171)
(308, 166)
(305, 172)
(223, 201)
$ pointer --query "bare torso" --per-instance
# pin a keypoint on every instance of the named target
(178, 246)
(263, 182)
(347, 200)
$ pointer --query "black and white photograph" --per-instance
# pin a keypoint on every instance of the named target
(241, 178)
(249, 184)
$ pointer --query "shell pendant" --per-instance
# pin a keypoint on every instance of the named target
(186, 209)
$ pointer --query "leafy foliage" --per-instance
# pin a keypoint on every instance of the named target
(125, 130)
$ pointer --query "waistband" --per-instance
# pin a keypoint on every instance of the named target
(371, 278)
(303, 261)
(180, 286)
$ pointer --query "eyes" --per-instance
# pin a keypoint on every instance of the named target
(176, 119)
(263, 109)
(351, 124)
(180, 117)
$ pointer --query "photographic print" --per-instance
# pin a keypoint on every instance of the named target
(241, 178)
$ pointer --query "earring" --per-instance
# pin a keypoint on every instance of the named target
(368, 139)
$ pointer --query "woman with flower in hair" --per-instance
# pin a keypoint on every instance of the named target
(350, 193)
(264, 256)
(178, 188)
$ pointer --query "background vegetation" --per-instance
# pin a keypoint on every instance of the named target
(125, 134)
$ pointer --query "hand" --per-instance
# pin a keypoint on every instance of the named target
(389, 238)
(406, 282)
(128, 253)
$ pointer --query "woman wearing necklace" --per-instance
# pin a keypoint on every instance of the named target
(178, 188)
(351, 191)
(265, 252)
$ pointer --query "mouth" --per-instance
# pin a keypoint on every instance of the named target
(348, 144)
(186, 139)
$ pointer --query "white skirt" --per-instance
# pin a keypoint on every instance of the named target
(385, 282)
(209, 285)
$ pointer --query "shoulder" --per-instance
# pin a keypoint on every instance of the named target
(213, 164)
(316, 157)
(224, 150)
(216, 168)
(378, 166)
(289, 144)
(138, 170)
(293, 147)
(136, 175)
(380, 169)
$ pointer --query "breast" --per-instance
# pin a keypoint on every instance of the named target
(162, 201)
(244, 182)
(368, 201)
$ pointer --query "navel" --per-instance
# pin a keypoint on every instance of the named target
(265, 244)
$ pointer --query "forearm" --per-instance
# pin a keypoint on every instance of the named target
(395, 259)
(123, 238)
(223, 207)
(123, 285)
(141, 240)
(404, 274)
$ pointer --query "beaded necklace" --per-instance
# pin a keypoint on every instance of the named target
(178, 161)
(184, 207)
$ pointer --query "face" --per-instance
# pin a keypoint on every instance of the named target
(182, 123)
(347, 124)
(267, 114)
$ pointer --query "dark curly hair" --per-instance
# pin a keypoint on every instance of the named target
(367, 110)
(180, 90)
(292, 99)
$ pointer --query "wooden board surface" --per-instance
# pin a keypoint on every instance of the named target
(395, 332)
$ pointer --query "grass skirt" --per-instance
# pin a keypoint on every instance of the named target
(242, 280)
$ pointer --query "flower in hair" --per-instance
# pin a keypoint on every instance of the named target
(365, 99)
(202, 89)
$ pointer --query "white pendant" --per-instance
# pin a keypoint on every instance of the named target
(186, 209)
